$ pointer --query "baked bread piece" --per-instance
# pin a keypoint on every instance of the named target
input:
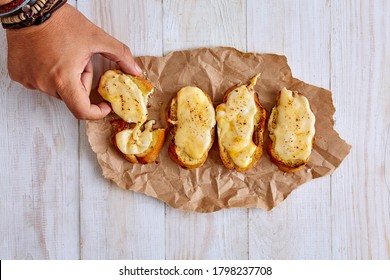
(145, 148)
(291, 129)
(134, 136)
(127, 94)
(191, 119)
(240, 127)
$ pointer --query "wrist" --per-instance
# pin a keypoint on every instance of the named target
(40, 30)
(25, 13)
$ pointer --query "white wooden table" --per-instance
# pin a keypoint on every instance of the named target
(55, 204)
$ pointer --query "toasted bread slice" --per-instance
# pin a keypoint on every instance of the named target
(151, 142)
(191, 119)
(291, 128)
(240, 127)
(128, 96)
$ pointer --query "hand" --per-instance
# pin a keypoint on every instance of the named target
(55, 58)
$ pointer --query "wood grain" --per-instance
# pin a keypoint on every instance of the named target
(360, 82)
(116, 224)
(201, 23)
(55, 203)
(299, 228)
(39, 176)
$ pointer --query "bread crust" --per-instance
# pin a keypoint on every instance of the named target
(283, 165)
(171, 119)
(151, 154)
(158, 135)
(258, 135)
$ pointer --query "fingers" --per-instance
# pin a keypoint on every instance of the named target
(82, 109)
(87, 76)
(76, 98)
(118, 52)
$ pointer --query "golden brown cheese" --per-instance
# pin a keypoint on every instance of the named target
(126, 99)
(236, 123)
(291, 126)
(195, 119)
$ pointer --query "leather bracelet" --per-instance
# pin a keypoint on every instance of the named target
(18, 15)
(11, 7)
(36, 14)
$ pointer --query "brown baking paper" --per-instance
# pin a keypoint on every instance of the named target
(213, 187)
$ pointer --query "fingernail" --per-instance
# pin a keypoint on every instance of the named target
(138, 69)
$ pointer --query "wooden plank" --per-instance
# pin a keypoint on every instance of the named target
(360, 82)
(194, 24)
(118, 224)
(299, 228)
(219, 235)
(39, 179)
(350, 220)
(224, 234)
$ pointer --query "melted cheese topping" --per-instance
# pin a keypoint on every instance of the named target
(236, 123)
(135, 141)
(126, 98)
(195, 119)
(291, 126)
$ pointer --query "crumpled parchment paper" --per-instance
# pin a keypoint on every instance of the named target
(213, 187)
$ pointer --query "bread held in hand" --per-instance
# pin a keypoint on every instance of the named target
(134, 136)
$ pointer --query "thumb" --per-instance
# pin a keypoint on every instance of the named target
(118, 52)
(76, 97)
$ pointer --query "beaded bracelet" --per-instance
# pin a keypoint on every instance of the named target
(34, 12)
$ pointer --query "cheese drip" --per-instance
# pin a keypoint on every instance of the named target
(291, 126)
(236, 122)
(195, 120)
(135, 141)
(126, 98)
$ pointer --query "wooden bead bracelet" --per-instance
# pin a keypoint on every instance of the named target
(33, 13)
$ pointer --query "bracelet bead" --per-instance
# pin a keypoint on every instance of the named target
(34, 12)
(40, 3)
